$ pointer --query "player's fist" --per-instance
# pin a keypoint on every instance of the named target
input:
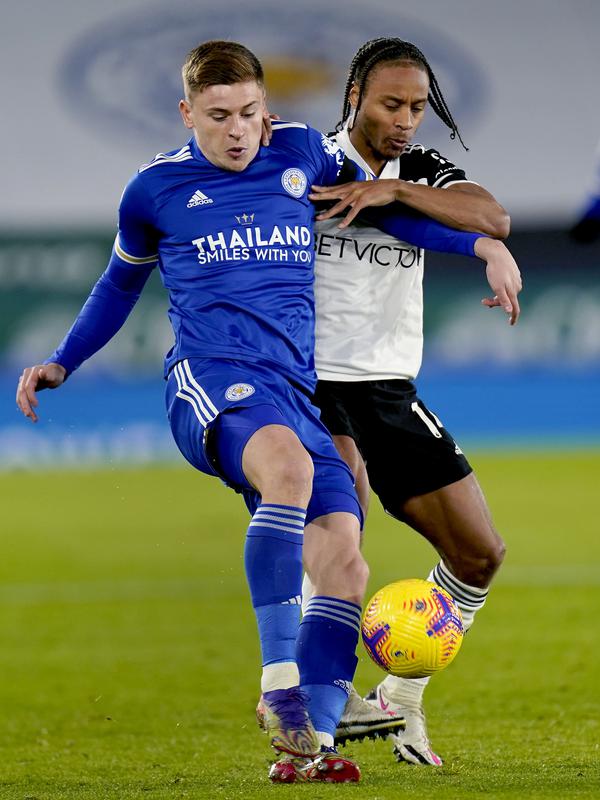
(33, 380)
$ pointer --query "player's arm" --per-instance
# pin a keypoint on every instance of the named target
(412, 226)
(400, 221)
(469, 207)
(102, 315)
(107, 307)
(379, 208)
(463, 206)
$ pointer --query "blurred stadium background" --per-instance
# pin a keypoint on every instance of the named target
(94, 93)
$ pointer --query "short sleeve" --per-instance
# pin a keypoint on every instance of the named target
(420, 163)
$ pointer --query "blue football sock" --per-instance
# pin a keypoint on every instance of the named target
(273, 561)
(326, 658)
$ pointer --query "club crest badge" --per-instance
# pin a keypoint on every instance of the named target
(294, 181)
(238, 391)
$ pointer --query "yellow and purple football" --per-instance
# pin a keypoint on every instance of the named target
(412, 628)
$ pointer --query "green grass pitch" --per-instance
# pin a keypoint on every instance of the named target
(129, 657)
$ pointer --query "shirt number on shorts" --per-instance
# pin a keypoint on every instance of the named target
(423, 416)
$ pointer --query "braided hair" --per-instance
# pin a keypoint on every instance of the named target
(383, 50)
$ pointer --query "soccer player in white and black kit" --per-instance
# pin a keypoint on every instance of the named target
(369, 348)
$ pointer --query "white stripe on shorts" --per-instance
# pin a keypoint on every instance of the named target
(185, 393)
(196, 385)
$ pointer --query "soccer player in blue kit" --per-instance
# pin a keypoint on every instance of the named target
(230, 226)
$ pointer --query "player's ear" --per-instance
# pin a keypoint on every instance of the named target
(353, 96)
(185, 110)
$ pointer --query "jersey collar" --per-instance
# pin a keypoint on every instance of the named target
(391, 169)
(196, 152)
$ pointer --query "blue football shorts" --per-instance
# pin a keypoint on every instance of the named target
(214, 407)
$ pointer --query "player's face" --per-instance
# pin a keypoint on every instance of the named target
(227, 122)
(391, 109)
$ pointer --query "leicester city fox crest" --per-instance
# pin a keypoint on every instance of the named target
(294, 181)
(238, 391)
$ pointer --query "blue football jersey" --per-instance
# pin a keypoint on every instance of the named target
(235, 250)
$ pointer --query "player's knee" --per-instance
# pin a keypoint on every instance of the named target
(479, 567)
(291, 476)
(498, 553)
(341, 573)
(276, 463)
(494, 556)
(354, 576)
(361, 577)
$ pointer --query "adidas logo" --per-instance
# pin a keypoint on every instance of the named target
(198, 199)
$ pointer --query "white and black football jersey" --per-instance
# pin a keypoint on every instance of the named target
(369, 286)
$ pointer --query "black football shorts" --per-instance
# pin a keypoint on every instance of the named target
(407, 450)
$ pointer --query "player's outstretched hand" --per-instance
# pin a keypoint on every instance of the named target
(355, 196)
(503, 277)
(33, 380)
